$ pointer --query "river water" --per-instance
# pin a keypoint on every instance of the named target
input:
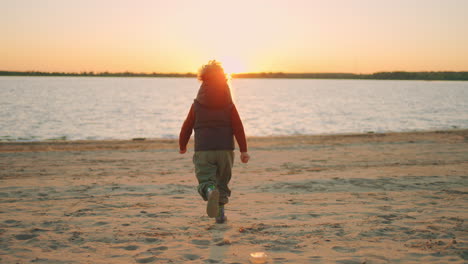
(76, 108)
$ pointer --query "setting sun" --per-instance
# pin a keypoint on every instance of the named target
(232, 65)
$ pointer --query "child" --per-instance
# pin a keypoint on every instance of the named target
(215, 120)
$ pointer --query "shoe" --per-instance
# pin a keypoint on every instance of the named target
(221, 218)
(212, 206)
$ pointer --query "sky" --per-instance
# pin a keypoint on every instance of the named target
(355, 36)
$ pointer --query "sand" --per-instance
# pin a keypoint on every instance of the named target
(366, 198)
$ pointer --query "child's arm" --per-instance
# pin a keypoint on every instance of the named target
(239, 134)
(245, 157)
(186, 131)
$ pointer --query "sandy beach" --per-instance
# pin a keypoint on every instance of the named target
(364, 198)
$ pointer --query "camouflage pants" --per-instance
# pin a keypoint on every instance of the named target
(213, 167)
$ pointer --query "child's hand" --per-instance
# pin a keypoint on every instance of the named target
(244, 157)
(182, 151)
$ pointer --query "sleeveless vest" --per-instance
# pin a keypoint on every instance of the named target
(213, 129)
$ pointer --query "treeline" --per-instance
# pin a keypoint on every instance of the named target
(397, 75)
(97, 74)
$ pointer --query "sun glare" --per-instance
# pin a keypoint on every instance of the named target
(232, 65)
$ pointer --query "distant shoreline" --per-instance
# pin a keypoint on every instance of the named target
(395, 75)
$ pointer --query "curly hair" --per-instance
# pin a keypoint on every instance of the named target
(213, 70)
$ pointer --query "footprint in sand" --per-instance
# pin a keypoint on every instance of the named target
(13, 223)
(76, 238)
(349, 261)
(344, 249)
(211, 261)
(315, 259)
(51, 223)
(201, 242)
(130, 248)
(145, 257)
(191, 256)
(25, 236)
(101, 223)
(151, 240)
(161, 248)
(146, 260)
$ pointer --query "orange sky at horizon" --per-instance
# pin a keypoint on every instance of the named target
(246, 36)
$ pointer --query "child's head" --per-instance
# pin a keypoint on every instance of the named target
(214, 91)
(212, 71)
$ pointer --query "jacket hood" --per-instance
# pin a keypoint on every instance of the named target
(214, 94)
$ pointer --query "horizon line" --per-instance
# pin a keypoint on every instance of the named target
(236, 73)
(396, 75)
